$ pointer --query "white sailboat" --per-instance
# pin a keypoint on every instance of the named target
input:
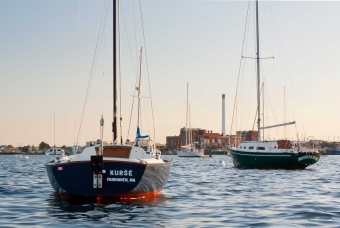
(189, 150)
(143, 141)
(55, 150)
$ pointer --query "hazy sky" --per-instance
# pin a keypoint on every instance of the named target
(186, 41)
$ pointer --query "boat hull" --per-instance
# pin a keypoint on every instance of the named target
(336, 152)
(119, 178)
(218, 152)
(189, 154)
(263, 160)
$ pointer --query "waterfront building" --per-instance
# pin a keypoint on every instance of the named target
(207, 139)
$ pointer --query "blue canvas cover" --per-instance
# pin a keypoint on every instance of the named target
(140, 136)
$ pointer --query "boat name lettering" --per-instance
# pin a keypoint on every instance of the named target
(308, 157)
(121, 173)
(121, 179)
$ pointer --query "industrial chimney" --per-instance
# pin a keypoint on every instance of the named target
(223, 114)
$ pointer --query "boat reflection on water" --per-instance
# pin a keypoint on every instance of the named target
(61, 203)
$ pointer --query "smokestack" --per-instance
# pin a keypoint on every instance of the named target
(223, 114)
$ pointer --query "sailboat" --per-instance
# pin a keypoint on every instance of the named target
(114, 169)
(274, 154)
(189, 150)
(143, 141)
(55, 150)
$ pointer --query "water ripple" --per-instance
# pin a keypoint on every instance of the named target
(200, 193)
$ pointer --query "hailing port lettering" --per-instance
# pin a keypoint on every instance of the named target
(120, 174)
(121, 179)
(308, 157)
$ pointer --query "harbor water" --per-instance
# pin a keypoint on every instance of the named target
(200, 193)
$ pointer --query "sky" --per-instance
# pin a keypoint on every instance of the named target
(47, 51)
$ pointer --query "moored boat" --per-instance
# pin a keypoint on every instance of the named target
(190, 149)
(275, 154)
(121, 170)
(217, 152)
(336, 151)
(115, 169)
(55, 151)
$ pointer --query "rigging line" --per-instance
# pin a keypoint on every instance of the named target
(91, 75)
(134, 67)
(286, 67)
(76, 83)
(272, 54)
(271, 107)
(134, 24)
(246, 115)
(240, 123)
(133, 61)
(133, 101)
(147, 69)
(238, 77)
(254, 121)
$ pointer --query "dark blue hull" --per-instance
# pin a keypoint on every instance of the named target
(120, 178)
(336, 152)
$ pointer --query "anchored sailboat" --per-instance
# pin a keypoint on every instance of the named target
(275, 154)
(110, 169)
(143, 141)
(189, 150)
(55, 150)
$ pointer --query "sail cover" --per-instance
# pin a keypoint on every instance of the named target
(141, 136)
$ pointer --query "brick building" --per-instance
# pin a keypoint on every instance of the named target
(248, 135)
(207, 139)
(172, 143)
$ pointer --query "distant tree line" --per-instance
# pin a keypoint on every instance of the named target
(44, 146)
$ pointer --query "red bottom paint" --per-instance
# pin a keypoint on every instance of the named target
(147, 196)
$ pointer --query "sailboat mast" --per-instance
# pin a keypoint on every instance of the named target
(190, 136)
(139, 84)
(186, 122)
(258, 75)
(284, 110)
(263, 110)
(114, 123)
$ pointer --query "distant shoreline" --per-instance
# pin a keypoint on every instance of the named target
(22, 154)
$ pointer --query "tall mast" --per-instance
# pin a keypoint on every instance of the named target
(139, 84)
(223, 114)
(114, 123)
(258, 75)
(263, 110)
(186, 122)
(284, 110)
(190, 136)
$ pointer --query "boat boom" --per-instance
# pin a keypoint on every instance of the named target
(278, 125)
